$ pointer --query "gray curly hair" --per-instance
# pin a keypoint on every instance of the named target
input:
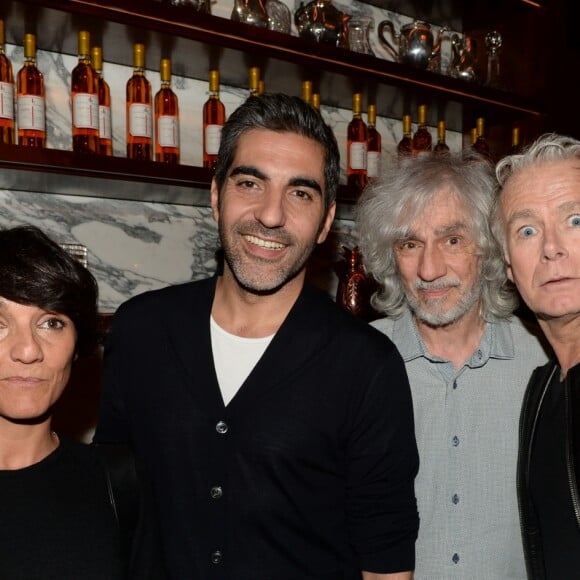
(545, 149)
(388, 208)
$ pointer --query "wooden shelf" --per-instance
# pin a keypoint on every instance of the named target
(53, 171)
(197, 42)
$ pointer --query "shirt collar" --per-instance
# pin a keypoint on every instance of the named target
(496, 342)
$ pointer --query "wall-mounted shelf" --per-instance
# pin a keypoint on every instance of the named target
(197, 42)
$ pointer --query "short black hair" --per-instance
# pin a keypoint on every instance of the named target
(281, 113)
(36, 271)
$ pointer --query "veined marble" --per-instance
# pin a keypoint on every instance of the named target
(134, 246)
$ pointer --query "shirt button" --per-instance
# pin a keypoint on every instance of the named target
(454, 384)
(479, 354)
(455, 558)
(221, 427)
(455, 499)
(455, 441)
(216, 492)
(216, 557)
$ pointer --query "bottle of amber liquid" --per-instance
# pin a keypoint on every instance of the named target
(166, 118)
(405, 145)
(104, 93)
(6, 94)
(214, 117)
(357, 147)
(85, 100)
(374, 145)
(30, 101)
(307, 92)
(254, 81)
(441, 146)
(139, 110)
(422, 140)
(481, 145)
(354, 288)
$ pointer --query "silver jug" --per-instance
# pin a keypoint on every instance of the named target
(414, 41)
(321, 21)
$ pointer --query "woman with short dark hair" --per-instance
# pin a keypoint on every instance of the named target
(61, 512)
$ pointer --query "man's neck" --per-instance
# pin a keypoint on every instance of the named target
(251, 315)
(455, 342)
(563, 334)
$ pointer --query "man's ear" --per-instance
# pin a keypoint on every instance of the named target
(327, 224)
(214, 200)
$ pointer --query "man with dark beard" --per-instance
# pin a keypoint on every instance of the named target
(277, 427)
(425, 237)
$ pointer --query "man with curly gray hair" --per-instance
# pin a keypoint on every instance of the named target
(425, 237)
(537, 221)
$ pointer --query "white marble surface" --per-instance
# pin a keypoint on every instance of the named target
(133, 246)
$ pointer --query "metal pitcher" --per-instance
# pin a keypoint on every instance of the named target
(319, 20)
(414, 41)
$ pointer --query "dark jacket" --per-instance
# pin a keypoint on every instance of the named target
(308, 471)
(533, 399)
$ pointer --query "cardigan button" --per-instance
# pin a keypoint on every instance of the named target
(216, 557)
(221, 427)
(216, 492)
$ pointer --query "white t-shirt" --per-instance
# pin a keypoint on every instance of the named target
(234, 357)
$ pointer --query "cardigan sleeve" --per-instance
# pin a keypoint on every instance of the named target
(382, 464)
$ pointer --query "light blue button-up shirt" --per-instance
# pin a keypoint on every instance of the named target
(466, 424)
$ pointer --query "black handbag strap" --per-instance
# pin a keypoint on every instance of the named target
(123, 488)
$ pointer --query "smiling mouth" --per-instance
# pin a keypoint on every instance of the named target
(267, 244)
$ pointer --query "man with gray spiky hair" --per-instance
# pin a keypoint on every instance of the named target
(425, 237)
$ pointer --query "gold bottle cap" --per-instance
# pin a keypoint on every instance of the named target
(165, 70)
(84, 42)
(515, 136)
(407, 123)
(307, 91)
(473, 135)
(214, 81)
(357, 103)
(139, 55)
(480, 126)
(97, 58)
(372, 114)
(2, 33)
(254, 79)
(29, 45)
(422, 115)
(316, 101)
(441, 128)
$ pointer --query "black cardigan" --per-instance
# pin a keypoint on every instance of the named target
(307, 473)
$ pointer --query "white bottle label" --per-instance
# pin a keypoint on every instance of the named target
(7, 101)
(31, 113)
(86, 111)
(140, 120)
(358, 155)
(213, 137)
(168, 131)
(373, 164)
(105, 131)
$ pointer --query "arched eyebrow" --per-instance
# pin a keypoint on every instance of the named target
(305, 182)
(248, 170)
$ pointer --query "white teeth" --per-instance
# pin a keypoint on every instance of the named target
(264, 243)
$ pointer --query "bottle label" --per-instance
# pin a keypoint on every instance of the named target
(31, 112)
(373, 164)
(86, 111)
(213, 137)
(358, 155)
(140, 124)
(7, 101)
(105, 130)
(168, 131)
